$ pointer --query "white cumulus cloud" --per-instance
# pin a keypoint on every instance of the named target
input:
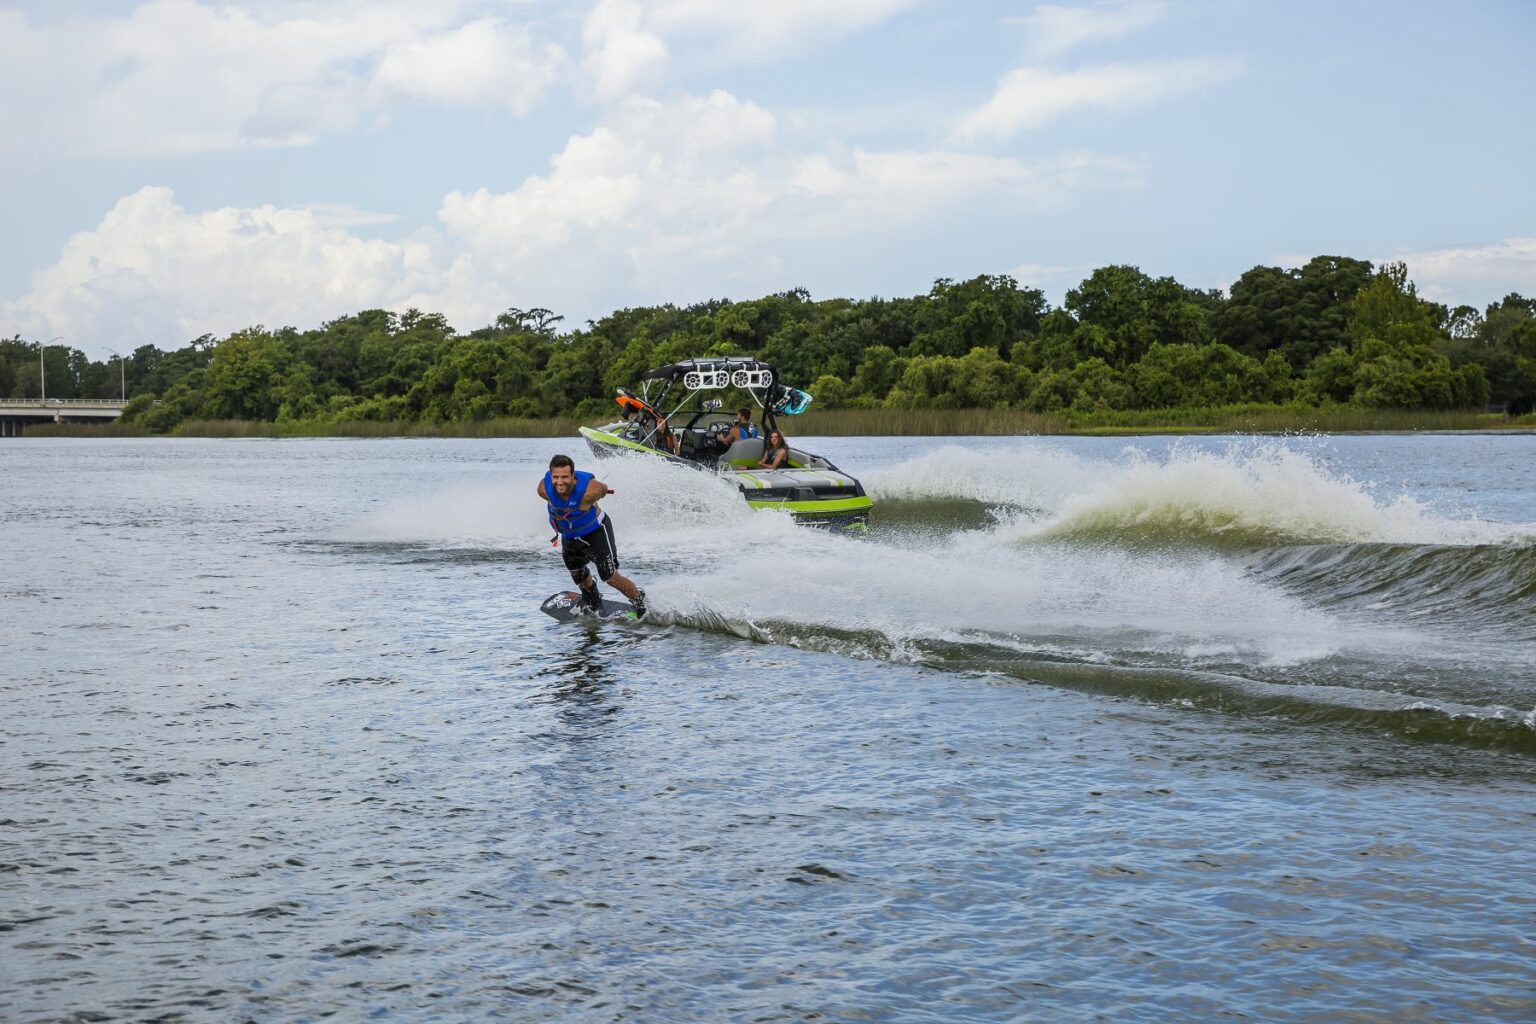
(906, 184)
(177, 77)
(152, 271)
(687, 176)
(486, 62)
(704, 195)
(630, 43)
(1474, 274)
(622, 54)
(770, 28)
(1032, 97)
(675, 200)
(1052, 29)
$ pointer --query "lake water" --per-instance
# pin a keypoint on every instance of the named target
(1144, 729)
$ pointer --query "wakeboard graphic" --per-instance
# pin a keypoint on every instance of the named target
(566, 606)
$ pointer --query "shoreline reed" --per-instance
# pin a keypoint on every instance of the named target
(886, 423)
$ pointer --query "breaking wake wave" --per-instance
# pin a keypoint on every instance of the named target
(1264, 495)
(1255, 581)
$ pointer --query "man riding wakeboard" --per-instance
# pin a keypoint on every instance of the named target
(586, 534)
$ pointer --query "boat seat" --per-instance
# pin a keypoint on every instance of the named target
(745, 454)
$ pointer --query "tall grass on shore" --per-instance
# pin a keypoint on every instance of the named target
(1244, 419)
(500, 427)
(85, 430)
(1239, 419)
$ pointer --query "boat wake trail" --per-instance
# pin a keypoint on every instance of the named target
(1485, 589)
(1380, 711)
(1254, 581)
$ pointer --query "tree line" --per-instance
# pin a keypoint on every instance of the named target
(1334, 331)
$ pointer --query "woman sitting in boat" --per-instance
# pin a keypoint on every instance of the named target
(775, 452)
(662, 436)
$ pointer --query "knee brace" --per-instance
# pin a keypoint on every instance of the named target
(581, 575)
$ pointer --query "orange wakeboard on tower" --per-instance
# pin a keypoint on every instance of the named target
(634, 406)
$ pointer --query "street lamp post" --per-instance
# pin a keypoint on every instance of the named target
(42, 371)
(122, 374)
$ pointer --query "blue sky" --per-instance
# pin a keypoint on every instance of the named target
(180, 167)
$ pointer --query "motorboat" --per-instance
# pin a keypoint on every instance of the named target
(675, 416)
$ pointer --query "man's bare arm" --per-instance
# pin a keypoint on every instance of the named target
(596, 491)
(541, 491)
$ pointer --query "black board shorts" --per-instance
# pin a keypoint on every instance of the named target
(597, 547)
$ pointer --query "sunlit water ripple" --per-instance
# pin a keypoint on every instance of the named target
(1145, 729)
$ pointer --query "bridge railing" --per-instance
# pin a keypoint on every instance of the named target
(48, 403)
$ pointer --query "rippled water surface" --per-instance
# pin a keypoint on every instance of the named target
(1153, 730)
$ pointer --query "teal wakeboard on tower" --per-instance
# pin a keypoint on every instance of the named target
(808, 486)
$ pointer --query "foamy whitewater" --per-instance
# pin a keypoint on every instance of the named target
(1192, 558)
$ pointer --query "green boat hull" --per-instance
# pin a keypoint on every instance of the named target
(814, 495)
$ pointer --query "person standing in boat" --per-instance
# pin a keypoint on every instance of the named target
(585, 532)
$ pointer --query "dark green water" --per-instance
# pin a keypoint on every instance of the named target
(1143, 729)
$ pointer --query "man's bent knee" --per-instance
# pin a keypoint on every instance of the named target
(581, 575)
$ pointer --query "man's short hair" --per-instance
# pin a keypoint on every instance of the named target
(744, 411)
(562, 460)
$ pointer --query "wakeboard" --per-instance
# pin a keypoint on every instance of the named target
(566, 607)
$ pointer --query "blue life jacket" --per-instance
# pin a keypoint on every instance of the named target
(563, 512)
(744, 432)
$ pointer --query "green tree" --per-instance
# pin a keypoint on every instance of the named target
(135, 408)
(181, 401)
(1134, 312)
(878, 372)
(1503, 343)
(830, 392)
(927, 382)
(1395, 344)
(1090, 386)
(1331, 377)
(989, 312)
(1171, 376)
(242, 376)
(1300, 313)
(295, 392)
(1517, 383)
(984, 380)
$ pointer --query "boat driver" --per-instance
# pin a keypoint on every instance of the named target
(586, 534)
(741, 430)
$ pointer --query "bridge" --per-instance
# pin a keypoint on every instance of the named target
(16, 413)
